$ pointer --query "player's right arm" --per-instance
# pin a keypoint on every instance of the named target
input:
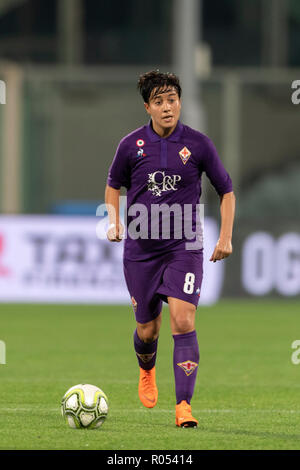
(115, 230)
(119, 174)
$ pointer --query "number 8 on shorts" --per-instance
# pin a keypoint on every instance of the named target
(189, 282)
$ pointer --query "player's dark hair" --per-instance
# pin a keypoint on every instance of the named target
(156, 80)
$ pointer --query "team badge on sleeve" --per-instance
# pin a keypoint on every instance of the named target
(188, 366)
(184, 154)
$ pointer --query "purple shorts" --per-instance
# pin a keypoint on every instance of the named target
(149, 282)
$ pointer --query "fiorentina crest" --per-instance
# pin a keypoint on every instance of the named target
(184, 154)
(145, 357)
(188, 366)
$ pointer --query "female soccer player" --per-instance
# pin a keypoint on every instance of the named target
(160, 164)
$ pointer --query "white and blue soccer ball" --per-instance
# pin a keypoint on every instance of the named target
(84, 406)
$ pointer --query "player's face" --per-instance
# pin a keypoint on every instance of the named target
(164, 108)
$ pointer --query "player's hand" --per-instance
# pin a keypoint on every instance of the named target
(222, 250)
(115, 232)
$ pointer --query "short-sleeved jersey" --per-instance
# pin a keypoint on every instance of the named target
(164, 171)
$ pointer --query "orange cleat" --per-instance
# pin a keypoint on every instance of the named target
(148, 392)
(184, 418)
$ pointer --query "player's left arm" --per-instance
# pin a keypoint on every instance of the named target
(227, 209)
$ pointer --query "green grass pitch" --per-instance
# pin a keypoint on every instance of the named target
(247, 394)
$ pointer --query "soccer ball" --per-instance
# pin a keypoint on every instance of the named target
(84, 406)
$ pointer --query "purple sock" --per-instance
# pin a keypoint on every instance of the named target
(185, 363)
(145, 352)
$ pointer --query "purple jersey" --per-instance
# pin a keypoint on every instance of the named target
(164, 173)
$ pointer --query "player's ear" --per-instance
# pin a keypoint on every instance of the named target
(147, 107)
(179, 105)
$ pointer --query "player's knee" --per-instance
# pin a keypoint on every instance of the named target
(148, 336)
(184, 323)
(148, 333)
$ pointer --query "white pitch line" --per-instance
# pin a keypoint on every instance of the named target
(39, 409)
(208, 411)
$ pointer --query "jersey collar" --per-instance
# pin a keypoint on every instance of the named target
(174, 137)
